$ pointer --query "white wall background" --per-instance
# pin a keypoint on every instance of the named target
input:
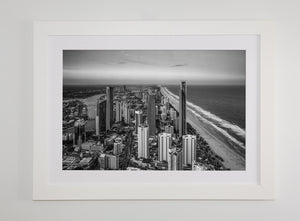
(16, 28)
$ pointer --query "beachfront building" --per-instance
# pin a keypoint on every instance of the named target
(164, 145)
(126, 112)
(118, 111)
(151, 113)
(172, 160)
(189, 148)
(173, 114)
(138, 119)
(143, 141)
(109, 107)
(182, 108)
(169, 129)
(100, 117)
(175, 159)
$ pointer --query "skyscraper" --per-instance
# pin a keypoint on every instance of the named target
(145, 96)
(189, 148)
(156, 110)
(173, 114)
(151, 113)
(118, 111)
(169, 129)
(174, 160)
(138, 119)
(182, 109)
(126, 113)
(112, 162)
(79, 133)
(174, 119)
(167, 103)
(109, 107)
(102, 161)
(179, 159)
(100, 116)
(143, 141)
(164, 109)
(117, 148)
(164, 144)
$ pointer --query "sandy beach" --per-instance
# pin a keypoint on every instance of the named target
(233, 155)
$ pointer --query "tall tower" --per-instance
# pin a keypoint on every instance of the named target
(79, 133)
(189, 148)
(182, 109)
(179, 159)
(118, 111)
(169, 129)
(100, 117)
(151, 114)
(109, 107)
(164, 144)
(138, 119)
(174, 160)
(143, 141)
(126, 113)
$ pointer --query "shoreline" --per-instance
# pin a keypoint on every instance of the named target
(232, 155)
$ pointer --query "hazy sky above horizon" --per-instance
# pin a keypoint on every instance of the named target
(213, 67)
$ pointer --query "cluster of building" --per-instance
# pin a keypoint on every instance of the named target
(135, 129)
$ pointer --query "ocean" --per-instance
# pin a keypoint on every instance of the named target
(222, 107)
(227, 102)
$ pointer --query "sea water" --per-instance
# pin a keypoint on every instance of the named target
(223, 106)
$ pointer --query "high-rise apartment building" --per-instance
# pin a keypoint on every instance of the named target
(100, 117)
(189, 148)
(118, 111)
(164, 144)
(151, 114)
(138, 119)
(143, 141)
(182, 108)
(109, 107)
(169, 129)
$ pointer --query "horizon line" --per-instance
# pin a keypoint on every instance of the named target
(138, 84)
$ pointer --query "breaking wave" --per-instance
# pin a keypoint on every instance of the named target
(231, 132)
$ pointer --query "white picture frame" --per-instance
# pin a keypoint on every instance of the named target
(44, 190)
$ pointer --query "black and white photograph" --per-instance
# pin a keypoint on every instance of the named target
(163, 110)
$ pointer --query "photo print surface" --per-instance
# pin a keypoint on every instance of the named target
(156, 110)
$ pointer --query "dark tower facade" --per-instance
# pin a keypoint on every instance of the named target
(151, 114)
(101, 117)
(109, 107)
(182, 109)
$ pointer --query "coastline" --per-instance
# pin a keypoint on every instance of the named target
(232, 154)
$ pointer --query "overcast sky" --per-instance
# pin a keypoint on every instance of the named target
(153, 67)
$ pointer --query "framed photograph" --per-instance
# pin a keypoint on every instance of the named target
(153, 110)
